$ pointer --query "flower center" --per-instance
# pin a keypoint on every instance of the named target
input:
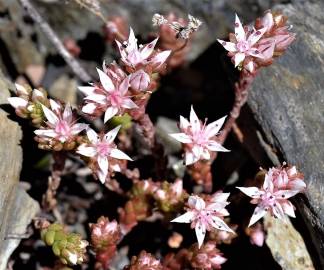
(115, 99)
(199, 138)
(268, 198)
(62, 128)
(103, 149)
(242, 46)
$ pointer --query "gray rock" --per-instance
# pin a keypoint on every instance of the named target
(288, 101)
(286, 245)
(24, 209)
(16, 207)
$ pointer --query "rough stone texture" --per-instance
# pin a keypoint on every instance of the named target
(286, 245)
(217, 16)
(288, 101)
(65, 89)
(16, 207)
(25, 208)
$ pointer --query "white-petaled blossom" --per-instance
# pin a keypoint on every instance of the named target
(245, 41)
(198, 138)
(205, 215)
(25, 97)
(110, 97)
(60, 124)
(272, 197)
(135, 56)
(101, 149)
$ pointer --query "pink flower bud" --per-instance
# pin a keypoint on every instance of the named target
(140, 80)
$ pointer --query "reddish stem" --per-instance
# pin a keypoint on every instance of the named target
(49, 201)
(241, 94)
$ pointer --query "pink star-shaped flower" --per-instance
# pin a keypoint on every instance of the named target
(110, 96)
(136, 57)
(60, 123)
(287, 178)
(244, 46)
(206, 215)
(272, 198)
(198, 137)
(101, 149)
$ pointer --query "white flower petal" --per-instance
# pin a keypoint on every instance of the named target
(200, 230)
(21, 89)
(132, 41)
(278, 211)
(105, 81)
(194, 121)
(122, 51)
(250, 66)
(147, 49)
(87, 90)
(239, 30)
(77, 128)
(267, 20)
(50, 116)
(215, 146)
(87, 151)
(116, 153)
(96, 98)
(285, 194)
(55, 106)
(255, 36)
(103, 163)
(229, 46)
(181, 137)
(37, 94)
(238, 58)
(92, 136)
(129, 104)
(213, 128)
(205, 154)
(197, 150)
(111, 135)
(102, 175)
(89, 108)
(219, 224)
(185, 218)
(123, 87)
(110, 112)
(297, 184)
(17, 102)
(159, 59)
(196, 202)
(268, 184)
(259, 212)
(67, 113)
(190, 158)
(46, 132)
(252, 192)
(288, 208)
(220, 197)
(184, 123)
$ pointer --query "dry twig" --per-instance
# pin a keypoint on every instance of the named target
(51, 35)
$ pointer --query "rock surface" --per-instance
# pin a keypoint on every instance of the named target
(288, 102)
(286, 245)
(16, 207)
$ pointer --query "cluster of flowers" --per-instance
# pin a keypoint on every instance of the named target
(254, 46)
(279, 185)
(119, 91)
(125, 89)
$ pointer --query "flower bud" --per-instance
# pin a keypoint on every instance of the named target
(140, 80)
